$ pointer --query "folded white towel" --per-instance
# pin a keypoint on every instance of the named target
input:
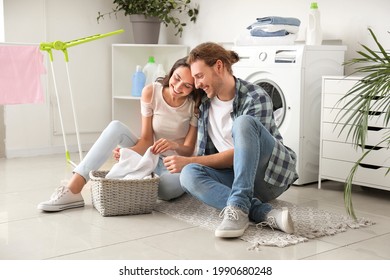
(132, 165)
(277, 27)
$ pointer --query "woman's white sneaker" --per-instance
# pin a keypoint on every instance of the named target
(62, 199)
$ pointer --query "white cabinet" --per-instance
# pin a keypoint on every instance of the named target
(125, 58)
(337, 153)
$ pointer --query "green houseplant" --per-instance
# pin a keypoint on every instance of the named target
(370, 94)
(164, 11)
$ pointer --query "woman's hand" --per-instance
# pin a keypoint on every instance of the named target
(163, 145)
(116, 153)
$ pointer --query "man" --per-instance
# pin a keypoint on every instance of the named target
(242, 162)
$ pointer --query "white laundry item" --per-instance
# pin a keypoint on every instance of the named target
(276, 27)
(132, 165)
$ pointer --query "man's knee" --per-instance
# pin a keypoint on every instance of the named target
(244, 122)
(187, 175)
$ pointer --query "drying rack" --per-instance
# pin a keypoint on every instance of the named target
(63, 46)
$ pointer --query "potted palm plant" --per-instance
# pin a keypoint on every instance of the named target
(154, 12)
(371, 93)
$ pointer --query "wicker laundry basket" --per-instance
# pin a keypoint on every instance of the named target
(114, 197)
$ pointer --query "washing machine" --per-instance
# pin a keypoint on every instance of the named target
(292, 76)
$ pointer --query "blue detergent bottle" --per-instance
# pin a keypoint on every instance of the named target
(138, 82)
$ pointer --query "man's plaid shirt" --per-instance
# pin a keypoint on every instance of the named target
(252, 100)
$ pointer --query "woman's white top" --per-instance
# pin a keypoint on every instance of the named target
(171, 123)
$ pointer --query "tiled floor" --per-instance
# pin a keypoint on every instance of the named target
(26, 233)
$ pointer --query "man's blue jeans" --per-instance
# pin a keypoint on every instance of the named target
(242, 186)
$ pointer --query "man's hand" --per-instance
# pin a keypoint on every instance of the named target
(175, 164)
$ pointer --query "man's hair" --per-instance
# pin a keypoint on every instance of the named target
(211, 52)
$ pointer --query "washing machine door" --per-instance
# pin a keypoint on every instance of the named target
(277, 96)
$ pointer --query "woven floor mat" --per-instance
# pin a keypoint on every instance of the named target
(309, 222)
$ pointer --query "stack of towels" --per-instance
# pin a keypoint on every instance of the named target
(270, 30)
(274, 26)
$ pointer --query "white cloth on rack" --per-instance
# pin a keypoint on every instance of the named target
(132, 165)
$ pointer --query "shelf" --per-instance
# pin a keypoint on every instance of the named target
(127, 97)
(125, 58)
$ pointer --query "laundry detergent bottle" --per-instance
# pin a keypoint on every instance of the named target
(150, 70)
(314, 31)
(138, 82)
(160, 73)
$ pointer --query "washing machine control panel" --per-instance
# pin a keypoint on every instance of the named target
(263, 56)
(290, 56)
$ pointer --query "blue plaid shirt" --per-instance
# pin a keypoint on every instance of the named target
(250, 99)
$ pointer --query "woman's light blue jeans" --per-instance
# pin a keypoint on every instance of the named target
(117, 134)
(243, 186)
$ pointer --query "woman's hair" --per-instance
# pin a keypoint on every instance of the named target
(196, 94)
(211, 52)
(182, 62)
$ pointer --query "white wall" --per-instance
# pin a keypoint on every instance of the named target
(32, 129)
(346, 20)
(2, 126)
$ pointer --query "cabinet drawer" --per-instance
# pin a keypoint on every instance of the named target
(333, 116)
(332, 131)
(338, 102)
(339, 170)
(346, 152)
(334, 100)
(340, 86)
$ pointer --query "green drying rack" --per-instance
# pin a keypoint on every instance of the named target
(63, 46)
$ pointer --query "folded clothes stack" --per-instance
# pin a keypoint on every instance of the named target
(272, 30)
(274, 26)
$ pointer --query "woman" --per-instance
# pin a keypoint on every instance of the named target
(169, 125)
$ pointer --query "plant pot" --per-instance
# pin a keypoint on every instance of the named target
(146, 30)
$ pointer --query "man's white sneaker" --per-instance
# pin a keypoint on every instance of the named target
(279, 219)
(234, 222)
(62, 199)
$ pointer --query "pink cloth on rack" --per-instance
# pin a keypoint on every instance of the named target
(21, 68)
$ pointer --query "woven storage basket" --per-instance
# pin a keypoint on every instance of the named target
(114, 197)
